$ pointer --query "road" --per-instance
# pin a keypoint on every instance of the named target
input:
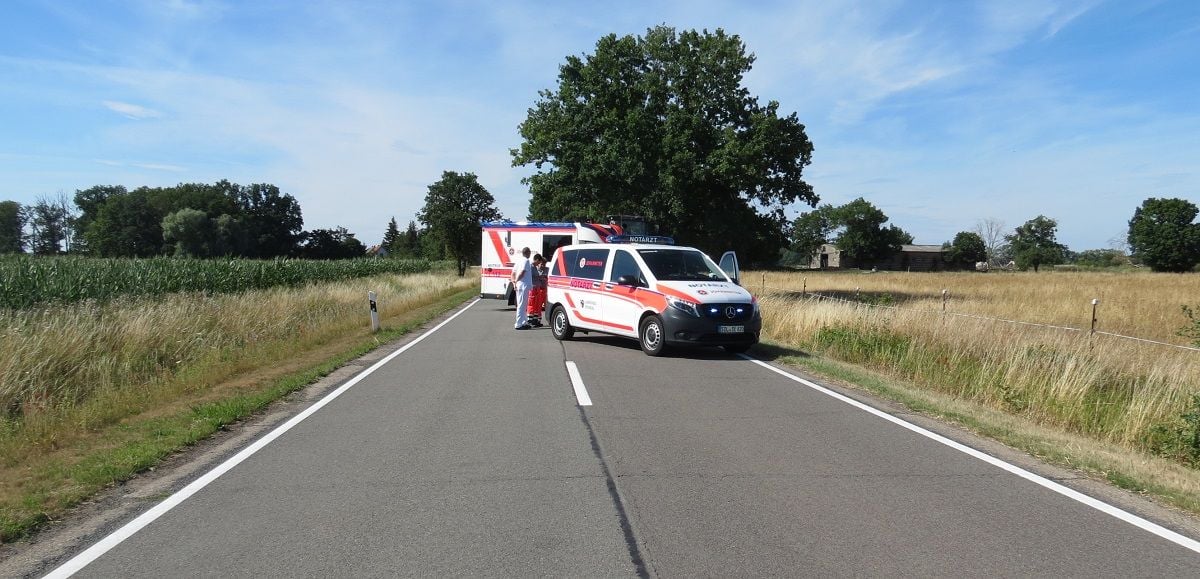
(468, 454)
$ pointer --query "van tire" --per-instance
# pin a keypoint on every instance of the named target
(560, 324)
(651, 336)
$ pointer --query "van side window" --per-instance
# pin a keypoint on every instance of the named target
(625, 264)
(587, 263)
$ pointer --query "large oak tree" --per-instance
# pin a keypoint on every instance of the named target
(661, 126)
(454, 208)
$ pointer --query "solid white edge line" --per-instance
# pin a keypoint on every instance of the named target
(116, 537)
(1068, 492)
(577, 383)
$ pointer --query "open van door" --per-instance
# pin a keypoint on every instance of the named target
(729, 265)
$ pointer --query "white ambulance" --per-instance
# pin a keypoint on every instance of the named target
(503, 240)
(643, 287)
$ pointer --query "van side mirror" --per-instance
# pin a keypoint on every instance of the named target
(629, 280)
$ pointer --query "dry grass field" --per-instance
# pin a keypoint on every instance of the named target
(91, 393)
(1124, 392)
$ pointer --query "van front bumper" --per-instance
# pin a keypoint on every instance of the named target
(683, 329)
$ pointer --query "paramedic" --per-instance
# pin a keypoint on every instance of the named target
(523, 278)
(537, 295)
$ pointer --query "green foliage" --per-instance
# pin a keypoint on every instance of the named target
(50, 222)
(966, 249)
(1034, 244)
(27, 281)
(1164, 235)
(1192, 328)
(1180, 439)
(661, 126)
(248, 221)
(189, 231)
(812, 229)
(12, 226)
(863, 344)
(863, 237)
(454, 208)
(337, 243)
(1101, 258)
(391, 237)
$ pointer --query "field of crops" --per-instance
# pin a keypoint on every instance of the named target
(28, 281)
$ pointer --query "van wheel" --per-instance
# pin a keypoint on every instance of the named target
(737, 348)
(560, 326)
(651, 336)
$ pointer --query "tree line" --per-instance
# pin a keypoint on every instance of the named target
(198, 220)
(1163, 234)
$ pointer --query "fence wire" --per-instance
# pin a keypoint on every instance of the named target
(820, 296)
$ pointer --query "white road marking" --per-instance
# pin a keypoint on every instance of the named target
(95, 551)
(1036, 479)
(577, 383)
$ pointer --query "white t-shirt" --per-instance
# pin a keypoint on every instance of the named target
(525, 272)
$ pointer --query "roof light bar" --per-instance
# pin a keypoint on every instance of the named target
(653, 239)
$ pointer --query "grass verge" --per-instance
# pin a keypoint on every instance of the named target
(48, 482)
(1162, 479)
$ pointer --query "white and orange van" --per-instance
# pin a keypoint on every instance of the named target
(643, 287)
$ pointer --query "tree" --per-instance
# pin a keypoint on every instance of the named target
(50, 222)
(862, 235)
(454, 208)
(336, 243)
(89, 201)
(190, 232)
(12, 227)
(812, 229)
(1034, 243)
(411, 242)
(127, 225)
(1101, 258)
(966, 249)
(991, 231)
(272, 220)
(661, 126)
(1164, 235)
(391, 238)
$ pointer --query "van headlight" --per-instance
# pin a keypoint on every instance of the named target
(684, 306)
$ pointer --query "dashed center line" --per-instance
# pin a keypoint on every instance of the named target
(581, 393)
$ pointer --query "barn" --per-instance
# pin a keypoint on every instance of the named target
(909, 258)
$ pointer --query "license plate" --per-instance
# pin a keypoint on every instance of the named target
(731, 329)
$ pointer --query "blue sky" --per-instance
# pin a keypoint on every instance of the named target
(941, 113)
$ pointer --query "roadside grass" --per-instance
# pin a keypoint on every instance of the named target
(70, 443)
(1126, 410)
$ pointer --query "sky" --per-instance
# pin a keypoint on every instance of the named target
(941, 113)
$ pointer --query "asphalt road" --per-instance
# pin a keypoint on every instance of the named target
(468, 455)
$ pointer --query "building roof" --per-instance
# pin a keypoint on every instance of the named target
(921, 248)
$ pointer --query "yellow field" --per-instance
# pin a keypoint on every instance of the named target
(1113, 390)
(1145, 305)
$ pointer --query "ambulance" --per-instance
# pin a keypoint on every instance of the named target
(646, 288)
(503, 240)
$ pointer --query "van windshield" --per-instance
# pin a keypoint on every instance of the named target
(681, 265)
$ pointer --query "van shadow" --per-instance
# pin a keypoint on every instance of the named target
(760, 351)
(772, 352)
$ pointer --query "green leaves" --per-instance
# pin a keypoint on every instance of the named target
(1034, 244)
(454, 208)
(1163, 233)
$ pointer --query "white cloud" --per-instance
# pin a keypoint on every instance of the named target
(131, 111)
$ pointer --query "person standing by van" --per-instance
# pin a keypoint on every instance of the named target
(522, 277)
(537, 295)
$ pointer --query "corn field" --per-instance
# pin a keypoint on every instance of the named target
(28, 281)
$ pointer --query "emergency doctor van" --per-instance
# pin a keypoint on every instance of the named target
(644, 288)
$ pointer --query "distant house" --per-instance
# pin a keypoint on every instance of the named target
(909, 258)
